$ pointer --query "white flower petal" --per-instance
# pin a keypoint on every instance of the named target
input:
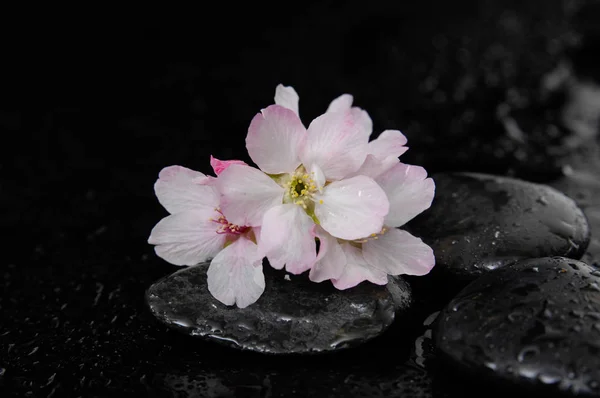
(187, 238)
(363, 120)
(274, 139)
(331, 261)
(336, 143)
(399, 253)
(357, 270)
(285, 238)
(409, 191)
(180, 189)
(235, 275)
(287, 97)
(341, 103)
(390, 143)
(246, 194)
(317, 176)
(352, 208)
(374, 167)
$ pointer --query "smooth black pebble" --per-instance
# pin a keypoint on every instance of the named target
(293, 315)
(535, 323)
(581, 182)
(479, 222)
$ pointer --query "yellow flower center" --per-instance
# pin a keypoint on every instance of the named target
(300, 189)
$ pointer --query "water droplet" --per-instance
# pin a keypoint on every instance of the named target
(593, 286)
(549, 378)
(515, 316)
(574, 266)
(528, 352)
(491, 365)
(543, 201)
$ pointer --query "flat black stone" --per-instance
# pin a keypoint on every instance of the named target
(292, 316)
(478, 223)
(535, 323)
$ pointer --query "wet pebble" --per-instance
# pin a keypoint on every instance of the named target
(293, 315)
(535, 323)
(478, 223)
(581, 182)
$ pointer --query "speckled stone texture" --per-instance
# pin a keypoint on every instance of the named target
(535, 324)
(292, 316)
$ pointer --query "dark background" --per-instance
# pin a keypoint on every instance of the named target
(93, 108)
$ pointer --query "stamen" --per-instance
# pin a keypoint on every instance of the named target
(226, 227)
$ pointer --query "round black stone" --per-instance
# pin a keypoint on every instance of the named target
(535, 323)
(480, 222)
(293, 315)
(581, 183)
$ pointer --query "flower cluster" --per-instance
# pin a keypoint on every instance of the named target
(326, 182)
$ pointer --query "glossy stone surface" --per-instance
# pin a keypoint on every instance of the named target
(480, 222)
(581, 182)
(292, 316)
(535, 323)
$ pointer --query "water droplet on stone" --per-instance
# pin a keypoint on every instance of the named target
(527, 353)
(549, 378)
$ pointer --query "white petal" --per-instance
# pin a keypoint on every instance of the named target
(352, 208)
(409, 191)
(357, 270)
(363, 120)
(374, 167)
(235, 275)
(335, 142)
(341, 103)
(285, 238)
(287, 97)
(274, 139)
(389, 143)
(317, 176)
(247, 194)
(187, 238)
(180, 189)
(331, 259)
(399, 253)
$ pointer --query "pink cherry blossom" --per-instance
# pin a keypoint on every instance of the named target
(391, 251)
(196, 230)
(306, 177)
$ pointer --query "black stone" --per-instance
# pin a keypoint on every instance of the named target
(478, 223)
(292, 316)
(581, 182)
(535, 323)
